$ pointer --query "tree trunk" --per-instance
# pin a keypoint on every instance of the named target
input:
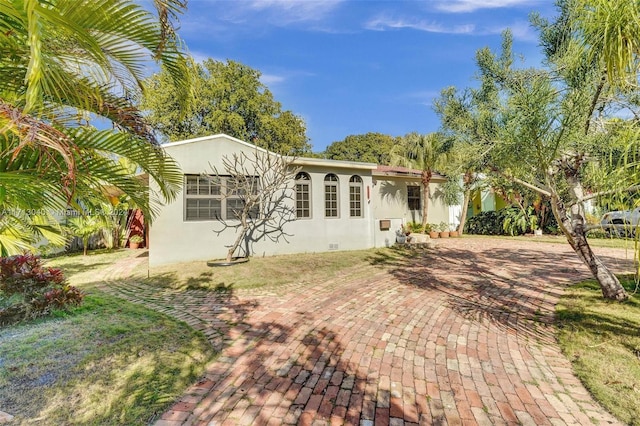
(235, 245)
(244, 227)
(426, 191)
(574, 231)
(465, 207)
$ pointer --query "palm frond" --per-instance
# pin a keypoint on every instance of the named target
(62, 65)
(21, 231)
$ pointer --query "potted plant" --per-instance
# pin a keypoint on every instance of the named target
(433, 230)
(453, 231)
(401, 238)
(415, 227)
(444, 230)
(135, 241)
(403, 234)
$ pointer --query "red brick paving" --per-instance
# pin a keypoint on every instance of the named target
(460, 335)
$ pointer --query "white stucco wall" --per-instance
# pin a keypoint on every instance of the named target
(173, 239)
(390, 203)
(438, 210)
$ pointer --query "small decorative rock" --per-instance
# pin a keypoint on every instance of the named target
(5, 417)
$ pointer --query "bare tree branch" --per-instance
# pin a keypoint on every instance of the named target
(258, 187)
(539, 188)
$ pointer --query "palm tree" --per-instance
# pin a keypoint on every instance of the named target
(85, 227)
(423, 152)
(63, 67)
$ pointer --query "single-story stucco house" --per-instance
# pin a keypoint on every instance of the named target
(339, 205)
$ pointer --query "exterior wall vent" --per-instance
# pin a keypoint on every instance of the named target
(333, 246)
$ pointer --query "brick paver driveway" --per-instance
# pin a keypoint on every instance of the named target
(463, 335)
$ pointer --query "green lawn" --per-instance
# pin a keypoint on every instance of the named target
(602, 340)
(272, 271)
(108, 362)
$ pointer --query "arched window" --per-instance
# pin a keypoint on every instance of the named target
(355, 196)
(303, 195)
(331, 195)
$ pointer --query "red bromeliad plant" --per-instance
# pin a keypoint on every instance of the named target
(31, 290)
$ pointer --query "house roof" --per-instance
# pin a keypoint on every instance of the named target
(298, 161)
(212, 137)
(382, 170)
(323, 162)
(376, 169)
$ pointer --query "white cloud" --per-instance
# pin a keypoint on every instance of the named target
(227, 19)
(383, 23)
(285, 12)
(271, 79)
(463, 6)
(521, 30)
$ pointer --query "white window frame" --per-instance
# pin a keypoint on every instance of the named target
(331, 183)
(207, 194)
(303, 186)
(355, 189)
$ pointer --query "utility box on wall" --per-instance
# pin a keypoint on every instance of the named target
(385, 224)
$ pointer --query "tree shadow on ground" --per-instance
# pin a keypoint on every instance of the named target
(578, 312)
(203, 281)
(293, 367)
(74, 268)
(296, 373)
(513, 289)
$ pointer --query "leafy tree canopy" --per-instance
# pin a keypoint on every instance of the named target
(557, 129)
(370, 147)
(227, 97)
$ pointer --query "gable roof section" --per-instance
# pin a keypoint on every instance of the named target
(212, 138)
(298, 161)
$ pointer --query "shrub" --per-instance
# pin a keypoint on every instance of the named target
(415, 227)
(29, 290)
(136, 239)
(506, 221)
(485, 223)
(517, 222)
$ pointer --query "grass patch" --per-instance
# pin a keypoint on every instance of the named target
(82, 269)
(271, 271)
(602, 340)
(106, 362)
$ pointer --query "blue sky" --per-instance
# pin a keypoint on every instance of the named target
(356, 66)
